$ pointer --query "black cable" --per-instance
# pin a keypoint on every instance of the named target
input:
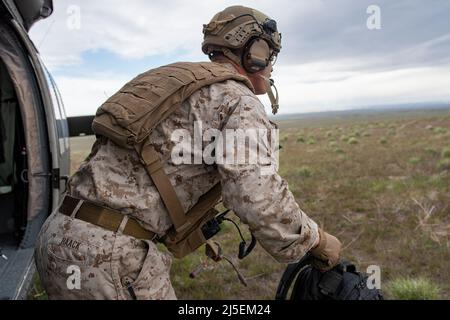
(239, 230)
(221, 216)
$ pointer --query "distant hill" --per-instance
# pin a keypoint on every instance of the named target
(368, 110)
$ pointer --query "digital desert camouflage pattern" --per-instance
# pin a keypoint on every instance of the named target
(114, 177)
(106, 261)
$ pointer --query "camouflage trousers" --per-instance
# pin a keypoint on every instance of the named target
(79, 260)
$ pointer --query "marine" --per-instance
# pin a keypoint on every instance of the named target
(129, 195)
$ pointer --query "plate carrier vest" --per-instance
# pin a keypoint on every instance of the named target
(128, 118)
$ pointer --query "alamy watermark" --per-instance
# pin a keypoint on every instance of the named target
(374, 279)
(250, 146)
(73, 17)
(74, 280)
(374, 19)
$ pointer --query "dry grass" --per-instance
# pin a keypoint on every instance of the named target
(388, 202)
(387, 197)
(413, 289)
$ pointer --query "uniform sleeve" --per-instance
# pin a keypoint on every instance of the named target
(258, 195)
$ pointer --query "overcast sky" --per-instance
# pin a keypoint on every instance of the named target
(330, 59)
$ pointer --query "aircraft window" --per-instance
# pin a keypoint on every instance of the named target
(61, 124)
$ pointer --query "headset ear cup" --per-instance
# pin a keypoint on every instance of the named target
(256, 56)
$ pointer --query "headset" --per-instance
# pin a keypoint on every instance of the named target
(257, 55)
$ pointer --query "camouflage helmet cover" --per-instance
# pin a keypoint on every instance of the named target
(235, 26)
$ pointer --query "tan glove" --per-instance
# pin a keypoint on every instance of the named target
(327, 253)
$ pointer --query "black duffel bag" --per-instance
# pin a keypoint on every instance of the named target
(343, 282)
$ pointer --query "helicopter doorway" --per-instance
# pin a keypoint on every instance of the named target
(25, 165)
(13, 164)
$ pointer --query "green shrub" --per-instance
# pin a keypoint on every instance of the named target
(413, 289)
(353, 141)
(439, 130)
(304, 172)
(444, 164)
(355, 134)
(438, 181)
(379, 186)
(391, 132)
(311, 141)
(414, 160)
(37, 291)
(383, 141)
(446, 153)
(431, 151)
(301, 139)
(329, 134)
(366, 134)
(332, 144)
(338, 150)
(344, 138)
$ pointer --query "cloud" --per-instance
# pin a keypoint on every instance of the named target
(306, 88)
(412, 32)
(358, 89)
(131, 29)
(336, 30)
(83, 95)
(329, 58)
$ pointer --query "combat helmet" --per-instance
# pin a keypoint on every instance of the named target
(246, 36)
(239, 28)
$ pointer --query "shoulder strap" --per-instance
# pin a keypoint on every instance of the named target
(181, 221)
(129, 116)
(154, 168)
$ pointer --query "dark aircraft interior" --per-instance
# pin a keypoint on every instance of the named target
(25, 164)
(13, 166)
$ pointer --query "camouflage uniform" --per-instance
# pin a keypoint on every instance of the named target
(114, 177)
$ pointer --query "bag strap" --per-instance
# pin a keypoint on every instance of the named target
(330, 282)
(291, 272)
(181, 220)
(154, 167)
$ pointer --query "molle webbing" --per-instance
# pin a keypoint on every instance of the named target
(130, 115)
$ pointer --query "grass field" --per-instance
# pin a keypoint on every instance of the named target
(380, 182)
